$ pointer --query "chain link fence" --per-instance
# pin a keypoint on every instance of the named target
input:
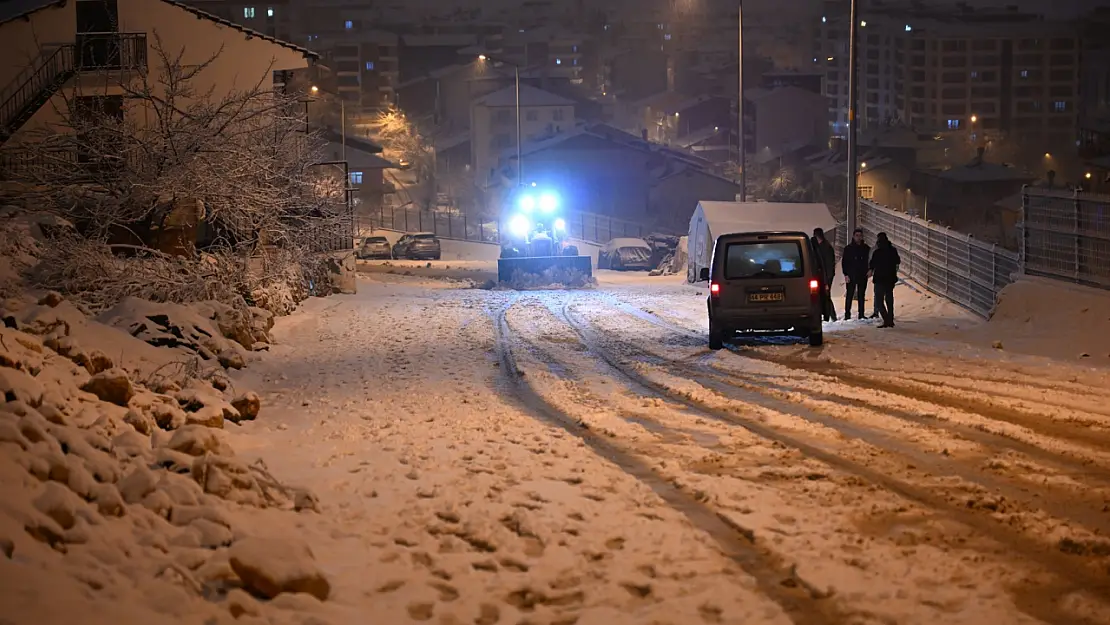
(1066, 235)
(587, 227)
(948, 263)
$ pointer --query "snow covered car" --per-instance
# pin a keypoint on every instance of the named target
(419, 246)
(625, 254)
(377, 248)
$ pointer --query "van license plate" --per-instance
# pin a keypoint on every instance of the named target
(766, 297)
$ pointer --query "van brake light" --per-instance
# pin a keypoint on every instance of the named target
(715, 288)
(814, 286)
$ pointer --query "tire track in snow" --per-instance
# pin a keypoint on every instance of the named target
(1038, 424)
(803, 605)
(1070, 577)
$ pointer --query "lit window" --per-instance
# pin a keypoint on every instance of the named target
(824, 19)
(270, 12)
(558, 61)
(1060, 107)
(1025, 73)
(974, 136)
(248, 12)
(348, 24)
(975, 75)
(953, 124)
(866, 191)
(574, 62)
(909, 28)
(370, 66)
(667, 36)
(574, 48)
(356, 177)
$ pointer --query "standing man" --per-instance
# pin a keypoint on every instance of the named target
(827, 254)
(854, 263)
(884, 269)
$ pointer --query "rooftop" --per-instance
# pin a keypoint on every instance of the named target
(529, 96)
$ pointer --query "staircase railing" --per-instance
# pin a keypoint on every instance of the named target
(58, 63)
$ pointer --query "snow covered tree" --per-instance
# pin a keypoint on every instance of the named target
(405, 143)
(169, 166)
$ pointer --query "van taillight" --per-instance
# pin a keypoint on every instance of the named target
(814, 286)
(714, 289)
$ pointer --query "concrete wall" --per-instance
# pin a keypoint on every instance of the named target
(24, 40)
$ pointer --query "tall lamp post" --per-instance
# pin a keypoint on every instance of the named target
(740, 99)
(853, 100)
(516, 78)
(342, 117)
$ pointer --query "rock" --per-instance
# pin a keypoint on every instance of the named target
(44, 529)
(997, 344)
(137, 484)
(219, 381)
(231, 359)
(248, 405)
(196, 440)
(98, 362)
(16, 385)
(131, 444)
(208, 416)
(181, 489)
(305, 500)
(108, 500)
(167, 416)
(142, 423)
(52, 413)
(269, 567)
(211, 535)
(112, 386)
(227, 478)
(159, 503)
(51, 299)
(173, 461)
(79, 480)
(58, 503)
(239, 603)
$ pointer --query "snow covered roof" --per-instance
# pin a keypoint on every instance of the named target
(529, 96)
(13, 9)
(619, 242)
(728, 217)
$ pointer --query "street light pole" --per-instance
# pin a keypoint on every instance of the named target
(740, 100)
(342, 118)
(853, 98)
(519, 134)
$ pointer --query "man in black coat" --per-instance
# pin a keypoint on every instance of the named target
(827, 254)
(884, 271)
(854, 263)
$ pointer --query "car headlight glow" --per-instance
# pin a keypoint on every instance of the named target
(527, 203)
(548, 202)
(519, 225)
(560, 225)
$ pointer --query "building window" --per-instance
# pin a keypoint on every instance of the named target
(248, 12)
(1060, 107)
(866, 191)
(975, 75)
(369, 66)
(270, 12)
(574, 48)
(667, 37)
(348, 24)
(1025, 73)
(953, 124)
(557, 115)
(558, 61)
(574, 62)
(356, 177)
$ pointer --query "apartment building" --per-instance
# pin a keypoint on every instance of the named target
(276, 18)
(493, 124)
(559, 53)
(881, 65)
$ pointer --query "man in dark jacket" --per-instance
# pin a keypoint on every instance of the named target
(884, 271)
(854, 263)
(827, 254)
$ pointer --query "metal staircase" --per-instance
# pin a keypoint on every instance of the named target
(28, 94)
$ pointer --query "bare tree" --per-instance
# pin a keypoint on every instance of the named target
(405, 142)
(175, 161)
(783, 186)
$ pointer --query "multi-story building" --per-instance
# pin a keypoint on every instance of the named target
(493, 124)
(557, 52)
(276, 18)
(978, 74)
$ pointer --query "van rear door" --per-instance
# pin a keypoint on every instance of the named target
(764, 274)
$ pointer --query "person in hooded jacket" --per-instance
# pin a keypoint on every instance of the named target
(827, 253)
(854, 263)
(884, 272)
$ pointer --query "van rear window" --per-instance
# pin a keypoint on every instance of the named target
(769, 260)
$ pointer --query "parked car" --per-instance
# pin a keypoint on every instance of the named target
(375, 248)
(764, 281)
(420, 246)
(625, 254)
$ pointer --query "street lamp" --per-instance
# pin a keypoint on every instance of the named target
(342, 117)
(853, 122)
(740, 98)
(516, 77)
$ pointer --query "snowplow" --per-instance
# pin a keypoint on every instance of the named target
(534, 247)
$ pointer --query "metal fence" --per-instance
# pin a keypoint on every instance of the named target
(1066, 235)
(588, 227)
(948, 263)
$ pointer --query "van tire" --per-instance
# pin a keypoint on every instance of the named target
(816, 339)
(716, 336)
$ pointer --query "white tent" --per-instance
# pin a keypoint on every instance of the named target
(712, 219)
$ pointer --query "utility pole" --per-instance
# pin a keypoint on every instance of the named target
(852, 198)
(740, 99)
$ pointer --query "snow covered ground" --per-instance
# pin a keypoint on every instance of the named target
(581, 457)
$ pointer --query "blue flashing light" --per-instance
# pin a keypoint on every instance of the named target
(549, 202)
(527, 203)
(519, 226)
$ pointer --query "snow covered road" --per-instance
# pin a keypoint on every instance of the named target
(581, 457)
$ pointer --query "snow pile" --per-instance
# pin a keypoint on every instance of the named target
(1051, 318)
(120, 497)
(20, 236)
(552, 278)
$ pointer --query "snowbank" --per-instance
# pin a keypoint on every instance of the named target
(121, 500)
(1045, 317)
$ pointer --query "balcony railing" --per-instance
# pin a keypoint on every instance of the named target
(111, 51)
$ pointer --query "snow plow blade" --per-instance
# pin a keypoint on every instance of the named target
(542, 271)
